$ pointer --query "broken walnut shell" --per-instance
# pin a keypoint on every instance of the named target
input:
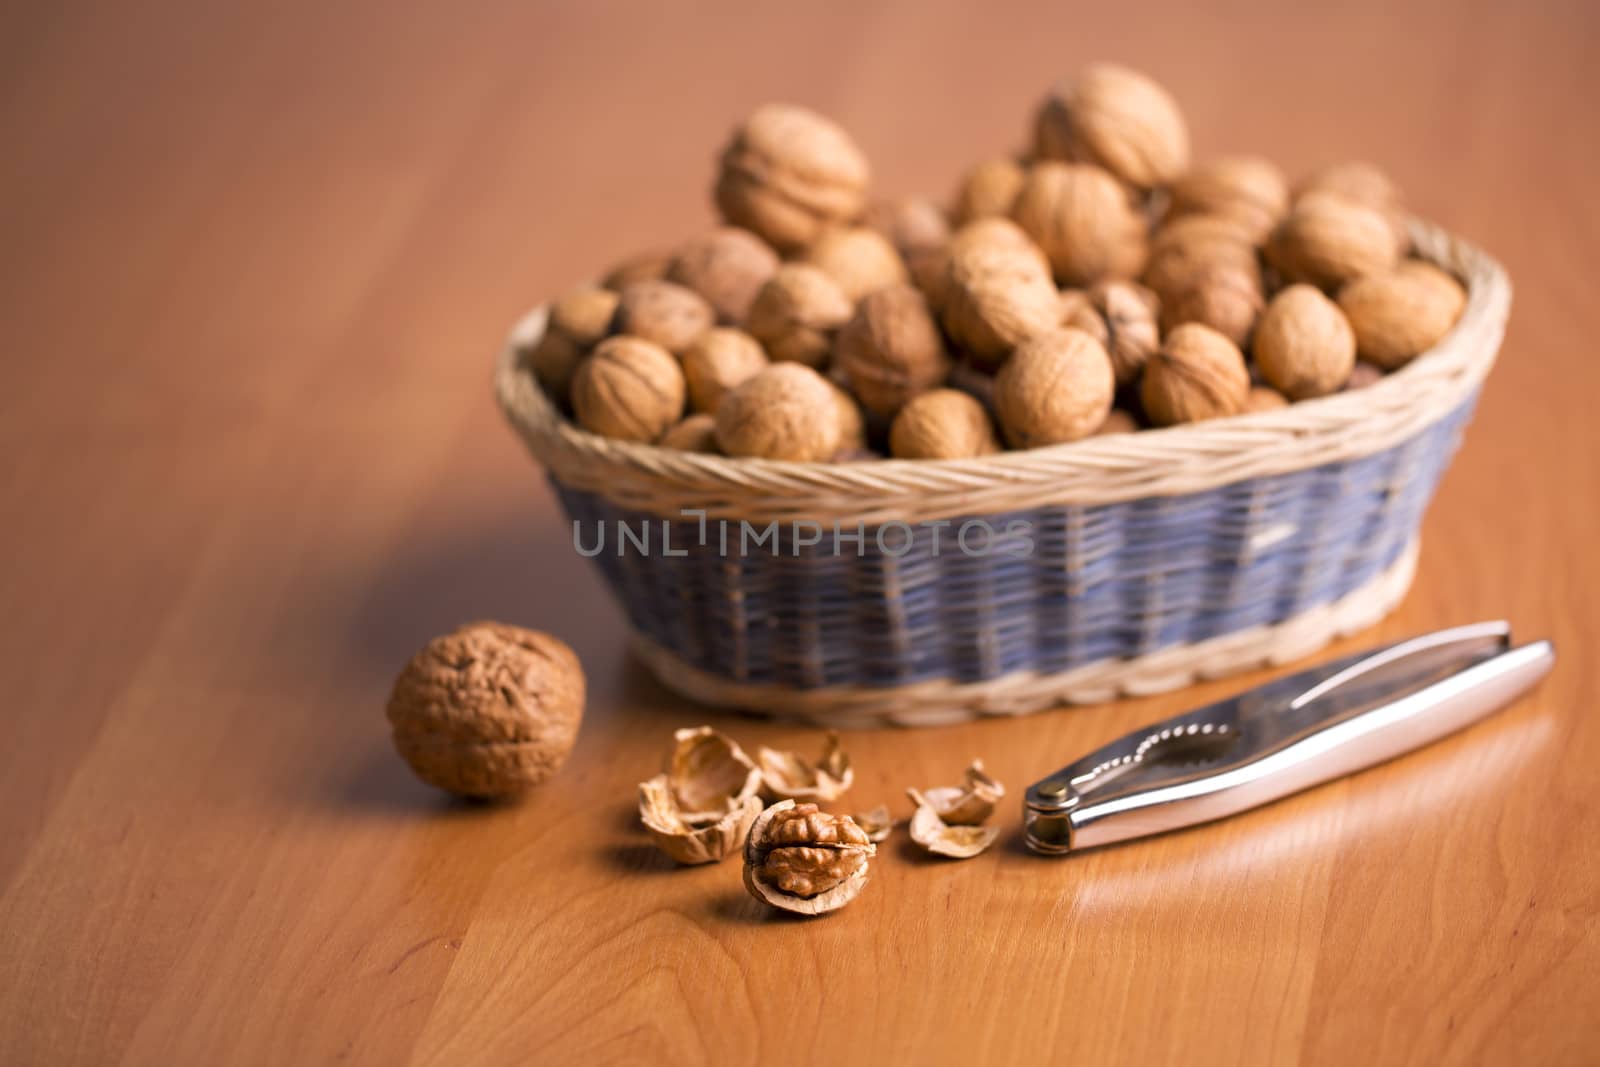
(803, 860)
(786, 776)
(693, 842)
(877, 824)
(967, 804)
(708, 774)
(942, 839)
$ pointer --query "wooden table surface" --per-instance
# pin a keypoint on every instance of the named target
(255, 265)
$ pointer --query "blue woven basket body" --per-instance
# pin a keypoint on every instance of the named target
(917, 593)
(1071, 586)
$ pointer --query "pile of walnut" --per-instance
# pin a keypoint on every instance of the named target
(713, 800)
(1097, 283)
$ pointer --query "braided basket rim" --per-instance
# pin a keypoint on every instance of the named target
(1097, 470)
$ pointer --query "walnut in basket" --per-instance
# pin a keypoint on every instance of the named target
(988, 190)
(942, 424)
(629, 389)
(1119, 119)
(797, 313)
(1330, 240)
(1082, 219)
(787, 411)
(860, 259)
(1196, 374)
(1249, 191)
(721, 360)
(919, 230)
(789, 174)
(891, 349)
(575, 324)
(1057, 387)
(664, 313)
(1304, 345)
(1399, 314)
(998, 291)
(727, 267)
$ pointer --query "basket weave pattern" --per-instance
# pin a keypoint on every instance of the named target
(1155, 558)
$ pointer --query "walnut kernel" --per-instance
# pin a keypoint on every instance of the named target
(803, 860)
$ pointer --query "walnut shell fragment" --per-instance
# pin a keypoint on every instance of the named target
(803, 860)
(942, 839)
(689, 841)
(967, 804)
(709, 774)
(876, 824)
(785, 776)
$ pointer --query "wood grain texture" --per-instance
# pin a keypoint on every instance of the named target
(256, 263)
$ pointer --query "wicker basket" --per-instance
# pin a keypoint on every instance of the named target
(1145, 561)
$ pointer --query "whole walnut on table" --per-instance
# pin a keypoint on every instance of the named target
(489, 710)
(789, 174)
